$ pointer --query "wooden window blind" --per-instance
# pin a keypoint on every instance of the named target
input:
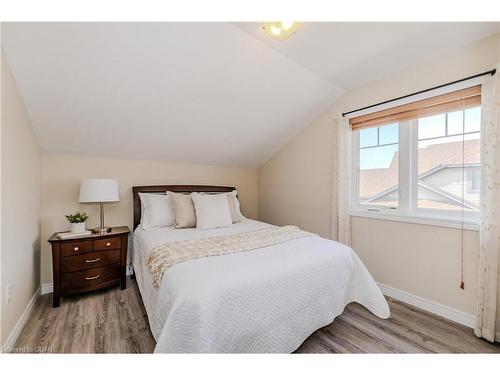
(449, 102)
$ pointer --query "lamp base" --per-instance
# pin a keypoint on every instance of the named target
(101, 231)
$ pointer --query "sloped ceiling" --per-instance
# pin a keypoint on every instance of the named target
(205, 93)
(350, 54)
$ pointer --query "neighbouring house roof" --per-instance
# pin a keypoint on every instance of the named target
(376, 183)
(448, 154)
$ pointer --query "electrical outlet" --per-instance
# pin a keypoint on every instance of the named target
(8, 293)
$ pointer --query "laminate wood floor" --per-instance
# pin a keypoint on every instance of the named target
(114, 321)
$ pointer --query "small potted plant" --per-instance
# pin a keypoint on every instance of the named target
(77, 221)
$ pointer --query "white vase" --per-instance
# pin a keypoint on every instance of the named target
(77, 227)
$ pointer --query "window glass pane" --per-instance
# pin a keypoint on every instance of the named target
(448, 168)
(378, 176)
(368, 137)
(379, 157)
(473, 120)
(432, 126)
(455, 125)
(388, 134)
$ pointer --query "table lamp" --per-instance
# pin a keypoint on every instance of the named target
(99, 190)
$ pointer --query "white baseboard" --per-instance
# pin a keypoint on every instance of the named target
(428, 305)
(49, 287)
(16, 331)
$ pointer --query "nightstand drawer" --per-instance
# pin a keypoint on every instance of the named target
(108, 243)
(91, 260)
(75, 247)
(81, 279)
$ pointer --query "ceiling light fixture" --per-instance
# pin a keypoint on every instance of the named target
(280, 30)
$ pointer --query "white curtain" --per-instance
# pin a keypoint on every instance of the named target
(342, 180)
(489, 235)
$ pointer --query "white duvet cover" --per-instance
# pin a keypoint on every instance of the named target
(267, 300)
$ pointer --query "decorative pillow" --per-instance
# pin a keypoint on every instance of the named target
(212, 211)
(155, 211)
(182, 206)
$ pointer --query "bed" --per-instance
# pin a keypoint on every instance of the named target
(267, 300)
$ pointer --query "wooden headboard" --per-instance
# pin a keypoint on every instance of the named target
(161, 189)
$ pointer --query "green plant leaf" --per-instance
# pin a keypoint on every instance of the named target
(77, 217)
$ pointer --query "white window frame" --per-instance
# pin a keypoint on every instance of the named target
(407, 210)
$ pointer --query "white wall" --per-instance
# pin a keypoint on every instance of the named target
(20, 205)
(62, 174)
(296, 187)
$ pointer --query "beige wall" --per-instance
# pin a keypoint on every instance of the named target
(62, 174)
(295, 187)
(20, 205)
(419, 259)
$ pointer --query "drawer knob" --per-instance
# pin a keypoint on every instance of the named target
(93, 277)
(108, 243)
(76, 248)
(92, 260)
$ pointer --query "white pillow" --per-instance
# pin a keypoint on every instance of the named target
(212, 211)
(155, 211)
(234, 193)
(234, 205)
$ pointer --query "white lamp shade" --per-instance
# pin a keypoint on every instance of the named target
(94, 190)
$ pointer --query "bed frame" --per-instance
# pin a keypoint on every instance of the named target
(161, 189)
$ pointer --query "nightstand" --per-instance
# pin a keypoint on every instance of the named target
(89, 263)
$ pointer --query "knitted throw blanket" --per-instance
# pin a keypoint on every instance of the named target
(165, 256)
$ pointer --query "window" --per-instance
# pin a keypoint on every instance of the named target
(448, 161)
(378, 165)
(425, 163)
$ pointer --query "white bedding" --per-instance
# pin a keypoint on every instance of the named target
(267, 300)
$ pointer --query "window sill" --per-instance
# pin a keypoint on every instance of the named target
(446, 222)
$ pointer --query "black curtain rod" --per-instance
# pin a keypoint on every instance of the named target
(492, 72)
